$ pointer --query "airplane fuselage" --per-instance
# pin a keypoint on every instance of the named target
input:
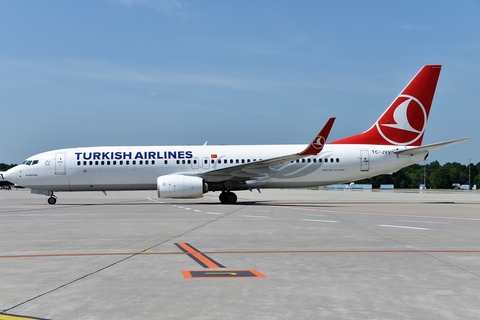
(137, 168)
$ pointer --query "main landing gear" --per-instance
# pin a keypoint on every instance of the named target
(52, 199)
(228, 197)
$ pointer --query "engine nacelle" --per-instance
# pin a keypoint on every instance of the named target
(178, 186)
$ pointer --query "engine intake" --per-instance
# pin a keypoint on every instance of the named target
(179, 186)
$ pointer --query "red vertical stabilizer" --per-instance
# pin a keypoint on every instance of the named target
(404, 122)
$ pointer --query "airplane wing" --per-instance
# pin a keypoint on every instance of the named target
(429, 147)
(259, 168)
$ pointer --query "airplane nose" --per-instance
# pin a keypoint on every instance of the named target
(10, 175)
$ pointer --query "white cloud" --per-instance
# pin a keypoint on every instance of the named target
(171, 7)
(412, 27)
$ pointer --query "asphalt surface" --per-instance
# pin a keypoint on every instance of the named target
(281, 254)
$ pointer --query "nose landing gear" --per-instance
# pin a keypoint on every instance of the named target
(52, 199)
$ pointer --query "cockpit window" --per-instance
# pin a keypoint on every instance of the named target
(30, 162)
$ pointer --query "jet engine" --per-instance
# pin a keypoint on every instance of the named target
(179, 186)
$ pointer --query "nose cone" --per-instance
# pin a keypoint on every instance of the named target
(9, 175)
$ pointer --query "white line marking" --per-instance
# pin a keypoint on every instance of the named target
(315, 215)
(423, 221)
(213, 213)
(403, 227)
(197, 210)
(318, 220)
(255, 216)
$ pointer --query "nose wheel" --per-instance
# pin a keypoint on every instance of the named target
(52, 199)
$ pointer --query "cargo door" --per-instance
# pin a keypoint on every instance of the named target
(364, 160)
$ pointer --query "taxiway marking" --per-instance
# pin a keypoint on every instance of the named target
(402, 227)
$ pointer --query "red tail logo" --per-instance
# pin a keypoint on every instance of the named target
(404, 122)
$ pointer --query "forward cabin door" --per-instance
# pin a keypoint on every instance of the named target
(364, 160)
(60, 163)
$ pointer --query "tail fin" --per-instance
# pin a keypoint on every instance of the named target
(404, 122)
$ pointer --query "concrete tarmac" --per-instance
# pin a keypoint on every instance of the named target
(306, 254)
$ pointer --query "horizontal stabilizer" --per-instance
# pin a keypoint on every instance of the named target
(429, 147)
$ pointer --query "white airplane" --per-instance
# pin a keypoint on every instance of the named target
(393, 142)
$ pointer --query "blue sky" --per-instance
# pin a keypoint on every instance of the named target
(174, 72)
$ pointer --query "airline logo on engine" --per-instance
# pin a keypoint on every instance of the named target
(406, 124)
(130, 155)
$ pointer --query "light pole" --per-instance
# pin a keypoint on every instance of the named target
(425, 175)
(469, 185)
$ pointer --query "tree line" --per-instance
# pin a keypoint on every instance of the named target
(5, 167)
(436, 176)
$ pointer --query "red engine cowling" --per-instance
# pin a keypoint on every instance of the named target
(178, 186)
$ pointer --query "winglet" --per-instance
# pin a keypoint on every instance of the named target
(319, 141)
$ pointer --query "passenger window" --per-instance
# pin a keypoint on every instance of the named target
(79, 163)
(121, 162)
(108, 162)
(166, 161)
(114, 162)
(90, 162)
(140, 162)
(338, 160)
(84, 163)
(127, 162)
(153, 161)
(331, 159)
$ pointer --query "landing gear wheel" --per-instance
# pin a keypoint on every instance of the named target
(231, 198)
(228, 197)
(52, 200)
(223, 197)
